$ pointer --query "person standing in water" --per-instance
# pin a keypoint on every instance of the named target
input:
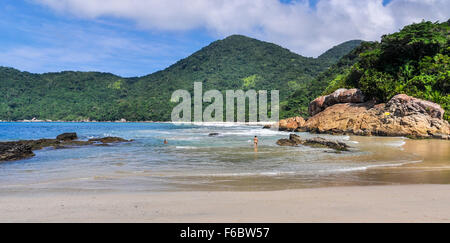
(165, 141)
(255, 141)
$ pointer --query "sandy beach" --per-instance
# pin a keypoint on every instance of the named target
(405, 203)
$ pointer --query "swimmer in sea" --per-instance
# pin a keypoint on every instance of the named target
(255, 143)
(165, 141)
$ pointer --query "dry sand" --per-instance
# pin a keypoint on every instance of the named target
(405, 203)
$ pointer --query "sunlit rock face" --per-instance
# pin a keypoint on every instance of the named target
(337, 97)
(291, 124)
(401, 116)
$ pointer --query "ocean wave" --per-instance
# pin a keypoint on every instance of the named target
(367, 167)
(255, 132)
(314, 172)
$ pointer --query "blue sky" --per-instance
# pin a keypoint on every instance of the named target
(143, 36)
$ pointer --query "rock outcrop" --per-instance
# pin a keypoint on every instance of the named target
(67, 136)
(401, 116)
(291, 124)
(338, 96)
(286, 142)
(321, 142)
(109, 140)
(23, 149)
(14, 151)
(295, 140)
(403, 105)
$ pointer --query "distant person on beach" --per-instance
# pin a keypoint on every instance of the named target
(165, 141)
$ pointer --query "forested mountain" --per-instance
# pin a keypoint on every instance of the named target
(236, 62)
(334, 54)
(414, 61)
(297, 103)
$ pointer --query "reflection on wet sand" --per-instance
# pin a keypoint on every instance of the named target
(434, 152)
(433, 168)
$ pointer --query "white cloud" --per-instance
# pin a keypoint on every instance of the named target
(296, 25)
(66, 46)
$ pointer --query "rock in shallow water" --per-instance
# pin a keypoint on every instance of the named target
(67, 136)
(286, 142)
(15, 151)
(24, 148)
(295, 140)
(108, 140)
(321, 142)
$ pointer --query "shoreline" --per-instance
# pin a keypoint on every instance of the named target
(392, 203)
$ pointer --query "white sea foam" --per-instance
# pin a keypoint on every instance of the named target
(396, 143)
(316, 172)
(223, 124)
(185, 147)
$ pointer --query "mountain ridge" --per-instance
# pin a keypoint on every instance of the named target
(235, 62)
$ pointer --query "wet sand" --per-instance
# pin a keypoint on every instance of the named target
(405, 203)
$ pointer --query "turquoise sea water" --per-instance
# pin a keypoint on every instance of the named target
(191, 161)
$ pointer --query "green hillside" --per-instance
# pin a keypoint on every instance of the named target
(414, 61)
(336, 53)
(297, 103)
(236, 62)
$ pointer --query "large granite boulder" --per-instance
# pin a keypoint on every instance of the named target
(291, 124)
(401, 116)
(404, 105)
(338, 96)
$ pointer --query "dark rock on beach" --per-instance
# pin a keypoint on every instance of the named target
(23, 149)
(295, 140)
